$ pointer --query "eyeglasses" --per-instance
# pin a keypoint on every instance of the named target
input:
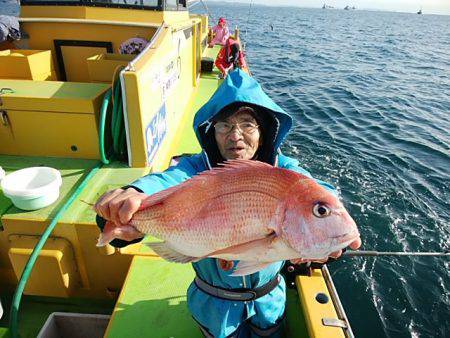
(243, 127)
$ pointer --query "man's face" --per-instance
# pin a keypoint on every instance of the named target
(242, 141)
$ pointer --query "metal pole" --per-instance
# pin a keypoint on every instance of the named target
(337, 302)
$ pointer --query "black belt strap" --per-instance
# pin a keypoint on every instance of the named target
(237, 294)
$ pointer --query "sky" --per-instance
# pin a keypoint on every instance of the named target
(428, 6)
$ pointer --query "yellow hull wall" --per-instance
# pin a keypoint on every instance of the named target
(308, 288)
(162, 82)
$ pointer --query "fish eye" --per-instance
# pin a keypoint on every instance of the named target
(321, 210)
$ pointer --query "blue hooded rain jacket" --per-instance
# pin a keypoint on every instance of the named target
(223, 317)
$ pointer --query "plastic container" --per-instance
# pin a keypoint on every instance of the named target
(207, 65)
(32, 188)
(74, 325)
(2, 173)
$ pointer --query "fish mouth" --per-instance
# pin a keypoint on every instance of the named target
(345, 238)
(338, 243)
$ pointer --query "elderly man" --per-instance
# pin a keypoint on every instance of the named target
(239, 122)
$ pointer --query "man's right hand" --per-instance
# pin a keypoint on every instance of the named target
(119, 205)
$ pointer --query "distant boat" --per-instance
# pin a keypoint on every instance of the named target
(347, 8)
(324, 6)
(420, 11)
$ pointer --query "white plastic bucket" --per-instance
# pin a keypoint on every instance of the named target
(2, 173)
(32, 188)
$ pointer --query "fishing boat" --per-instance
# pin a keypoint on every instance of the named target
(72, 99)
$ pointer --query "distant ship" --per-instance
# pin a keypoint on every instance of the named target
(347, 8)
(420, 11)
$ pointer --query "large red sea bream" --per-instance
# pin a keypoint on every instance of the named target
(244, 210)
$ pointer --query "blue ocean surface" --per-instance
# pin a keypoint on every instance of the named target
(370, 95)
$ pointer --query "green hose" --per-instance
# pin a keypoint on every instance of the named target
(101, 130)
(118, 150)
(13, 323)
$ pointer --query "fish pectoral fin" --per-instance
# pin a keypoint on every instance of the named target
(104, 239)
(111, 232)
(247, 268)
(169, 254)
(256, 248)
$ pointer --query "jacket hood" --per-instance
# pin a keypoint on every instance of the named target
(241, 89)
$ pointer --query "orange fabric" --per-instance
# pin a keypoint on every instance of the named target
(221, 60)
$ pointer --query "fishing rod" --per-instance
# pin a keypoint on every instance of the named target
(207, 10)
(393, 253)
(246, 26)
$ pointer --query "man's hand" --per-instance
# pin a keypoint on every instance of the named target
(353, 245)
(119, 205)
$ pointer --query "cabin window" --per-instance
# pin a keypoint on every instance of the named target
(143, 4)
(171, 4)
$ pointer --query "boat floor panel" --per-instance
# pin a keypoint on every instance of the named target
(153, 303)
(34, 311)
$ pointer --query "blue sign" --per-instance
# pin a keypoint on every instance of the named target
(155, 132)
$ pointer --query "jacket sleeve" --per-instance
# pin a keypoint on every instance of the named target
(292, 164)
(155, 182)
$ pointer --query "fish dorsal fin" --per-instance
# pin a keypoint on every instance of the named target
(158, 197)
(222, 175)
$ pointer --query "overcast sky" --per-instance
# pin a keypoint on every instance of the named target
(428, 6)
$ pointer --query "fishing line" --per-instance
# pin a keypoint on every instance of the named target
(246, 26)
(394, 253)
